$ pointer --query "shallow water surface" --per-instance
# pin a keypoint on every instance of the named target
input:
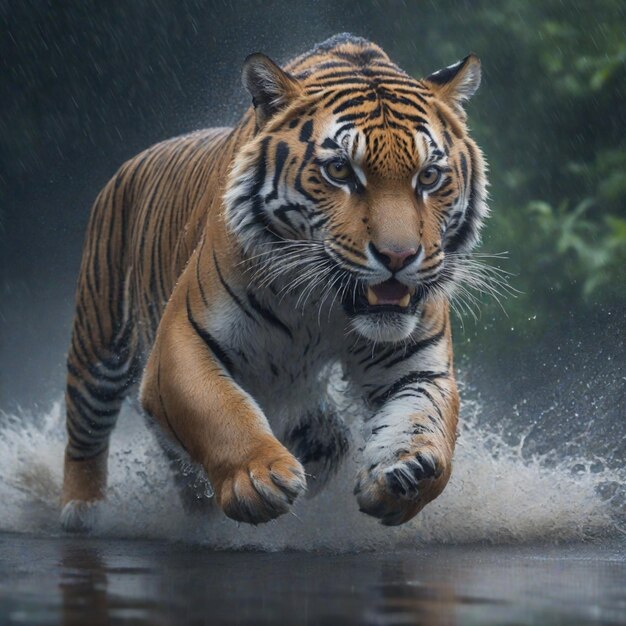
(74, 580)
(147, 561)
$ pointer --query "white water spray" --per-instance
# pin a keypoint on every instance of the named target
(495, 495)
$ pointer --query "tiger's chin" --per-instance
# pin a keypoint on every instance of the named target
(384, 327)
(384, 312)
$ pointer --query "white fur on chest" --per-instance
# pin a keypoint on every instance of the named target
(285, 361)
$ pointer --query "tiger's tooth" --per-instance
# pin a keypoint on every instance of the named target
(372, 298)
(405, 301)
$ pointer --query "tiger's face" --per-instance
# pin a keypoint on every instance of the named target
(361, 181)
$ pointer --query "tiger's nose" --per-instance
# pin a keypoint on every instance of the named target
(394, 258)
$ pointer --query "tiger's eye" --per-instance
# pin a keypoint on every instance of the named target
(429, 177)
(339, 170)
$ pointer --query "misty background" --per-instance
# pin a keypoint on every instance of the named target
(86, 85)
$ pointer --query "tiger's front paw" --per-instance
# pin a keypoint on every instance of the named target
(396, 492)
(263, 487)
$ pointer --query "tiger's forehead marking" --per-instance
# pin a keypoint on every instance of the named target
(381, 151)
(428, 146)
(383, 119)
(350, 143)
(354, 143)
(421, 146)
(357, 152)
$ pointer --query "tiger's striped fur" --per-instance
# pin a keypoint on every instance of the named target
(229, 270)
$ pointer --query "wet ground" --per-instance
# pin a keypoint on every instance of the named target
(87, 581)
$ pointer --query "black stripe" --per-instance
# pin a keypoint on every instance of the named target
(308, 155)
(361, 57)
(395, 98)
(259, 180)
(422, 129)
(322, 66)
(78, 441)
(410, 117)
(354, 101)
(340, 259)
(430, 268)
(468, 227)
(464, 169)
(268, 315)
(335, 96)
(352, 117)
(210, 341)
(282, 213)
(417, 347)
(432, 401)
(415, 92)
(104, 395)
(87, 411)
(377, 396)
(282, 152)
(434, 253)
(350, 249)
(348, 75)
(329, 144)
(93, 371)
(306, 131)
(230, 292)
(319, 221)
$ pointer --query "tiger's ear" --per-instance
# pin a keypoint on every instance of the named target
(270, 87)
(458, 82)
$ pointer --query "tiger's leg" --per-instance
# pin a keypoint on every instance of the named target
(320, 441)
(190, 479)
(412, 433)
(95, 390)
(189, 388)
(100, 363)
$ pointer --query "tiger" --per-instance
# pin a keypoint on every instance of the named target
(229, 273)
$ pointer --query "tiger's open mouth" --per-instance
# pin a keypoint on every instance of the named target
(392, 296)
(389, 293)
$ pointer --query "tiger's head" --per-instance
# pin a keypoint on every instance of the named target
(359, 180)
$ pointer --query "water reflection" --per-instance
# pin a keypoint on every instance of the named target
(81, 581)
(402, 598)
(94, 593)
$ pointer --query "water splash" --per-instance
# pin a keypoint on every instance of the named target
(495, 494)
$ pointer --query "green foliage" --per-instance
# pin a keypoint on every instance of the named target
(551, 119)
(580, 246)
